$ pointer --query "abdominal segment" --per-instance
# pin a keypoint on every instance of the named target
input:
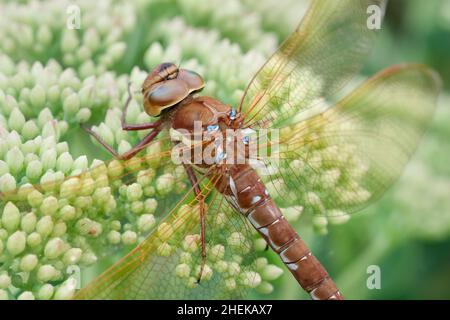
(248, 194)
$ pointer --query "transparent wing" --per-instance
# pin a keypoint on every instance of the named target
(338, 161)
(319, 58)
(167, 264)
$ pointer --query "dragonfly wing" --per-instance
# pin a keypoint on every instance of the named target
(166, 265)
(338, 161)
(319, 58)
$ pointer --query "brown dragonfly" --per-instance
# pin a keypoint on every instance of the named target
(330, 157)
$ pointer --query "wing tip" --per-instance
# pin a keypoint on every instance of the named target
(426, 70)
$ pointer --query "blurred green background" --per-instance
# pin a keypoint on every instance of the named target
(407, 232)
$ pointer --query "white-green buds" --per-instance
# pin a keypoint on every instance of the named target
(72, 256)
(54, 248)
(46, 292)
(16, 243)
(183, 270)
(165, 183)
(28, 262)
(271, 272)
(5, 280)
(37, 96)
(146, 222)
(129, 237)
(7, 183)
(10, 217)
(46, 273)
(66, 290)
(250, 279)
(26, 295)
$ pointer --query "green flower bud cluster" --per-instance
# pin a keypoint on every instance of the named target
(83, 35)
(231, 258)
(248, 32)
(62, 222)
(232, 70)
(73, 221)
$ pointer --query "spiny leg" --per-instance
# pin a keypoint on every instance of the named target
(201, 201)
(130, 153)
(134, 127)
(129, 127)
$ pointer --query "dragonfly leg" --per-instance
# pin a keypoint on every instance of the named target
(134, 127)
(201, 201)
(130, 153)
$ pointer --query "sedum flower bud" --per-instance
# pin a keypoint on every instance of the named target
(16, 243)
(72, 256)
(134, 192)
(34, 170)
(37, 96)
(114, 237)
(44, 226)
(7, 183)
(4, 169)
(16, 120)
(49, 205)
(206, 273)
(250, 279)
(71, 104)
(233, 269)
(10, 217)
(15, 160)
(54, 248)
(221, 266)
(146, 222)
(46, 292)
(34, 239)
(182, 270)
(271, 272)
(67, 213)
(3, 294)
(28, 262)
(150, 205)
(46, 273)
(164, 184)
(48, 159)
(88, 258)
(164, 250)
(165, 231)
(129, 237)
(28, 222)
(265, 288)
(64, 163)
(29, 130)
(69, 188)
(5, 281)
(337, 217)
(66, 290)
(230, 284)
(26, 295)
(217, 252)
(35, 198)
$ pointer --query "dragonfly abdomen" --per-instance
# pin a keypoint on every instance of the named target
(249, 194)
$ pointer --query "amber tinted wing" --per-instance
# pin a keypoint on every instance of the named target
(167, 264)
(336, 162)
(318, 59)
(100, 210)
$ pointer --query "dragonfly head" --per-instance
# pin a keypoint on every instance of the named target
(167, 85)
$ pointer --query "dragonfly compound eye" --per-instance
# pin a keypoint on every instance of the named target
(169, 86)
